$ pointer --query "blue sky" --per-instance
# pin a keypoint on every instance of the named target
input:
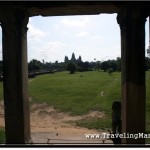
(91, 36)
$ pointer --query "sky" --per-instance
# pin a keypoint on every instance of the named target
(93, 37)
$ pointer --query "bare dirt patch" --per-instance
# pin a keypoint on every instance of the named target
(44, 117)
(47, 122)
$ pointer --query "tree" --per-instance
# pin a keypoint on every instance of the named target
(86, 66)
(113, 64)
(110, 70)
(147, 63)
(71, 66)
(109, 64)
(148, 52)
(118, 64)
(34, 65)
(80, 66)
(105, 65)
(98, 65)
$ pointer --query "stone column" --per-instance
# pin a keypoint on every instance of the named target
(14, 43)
(132, 24)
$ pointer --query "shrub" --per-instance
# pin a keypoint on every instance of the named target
(71, 66)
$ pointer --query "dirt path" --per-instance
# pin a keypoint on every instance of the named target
(49, 123)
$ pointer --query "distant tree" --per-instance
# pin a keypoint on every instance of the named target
(109, 64)
(147, 63)
(80, 66)
(34, 65)
(148, 52)
(92, 65)
(71, 66)
(98, 65)
(104, 65)
(112, 64)
(47, 66)
(118, 64)
(86, 66)
(110, 70)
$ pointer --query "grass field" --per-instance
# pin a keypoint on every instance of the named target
(79, 94)
(75, 94)
(2, 135)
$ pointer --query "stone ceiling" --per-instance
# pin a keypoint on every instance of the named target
(61, 8)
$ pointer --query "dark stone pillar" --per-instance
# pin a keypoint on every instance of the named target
(14, 40)
(132, 24)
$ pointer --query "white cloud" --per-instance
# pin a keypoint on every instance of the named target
(87, 36)
(78, 22)
(97, 37)
(57, 27)
(54, 45)
(82, 33)
(35, 34)
(52, 50)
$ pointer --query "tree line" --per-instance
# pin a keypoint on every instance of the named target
(37, 67)
(74, 64)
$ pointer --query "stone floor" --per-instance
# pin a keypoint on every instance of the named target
(53, 138)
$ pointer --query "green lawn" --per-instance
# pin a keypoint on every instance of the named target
(75, 94)
(2, 135)
(79, 94)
